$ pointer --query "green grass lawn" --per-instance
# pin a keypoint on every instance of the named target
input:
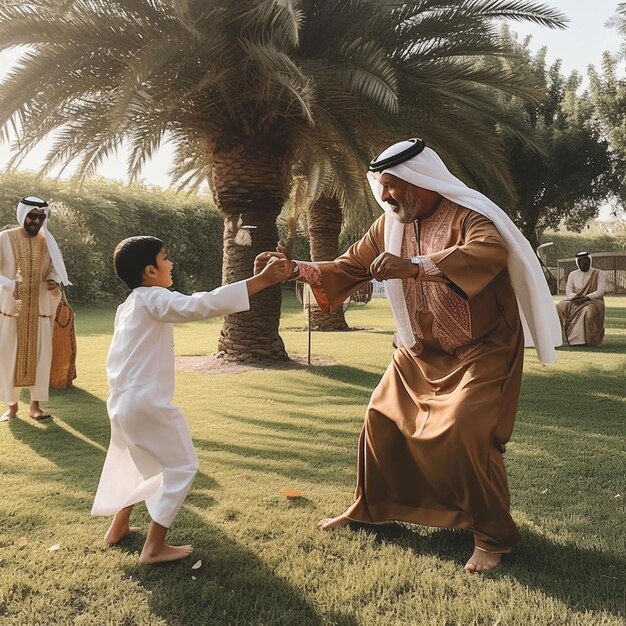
(263, 560)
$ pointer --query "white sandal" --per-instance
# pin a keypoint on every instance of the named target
(6, 416)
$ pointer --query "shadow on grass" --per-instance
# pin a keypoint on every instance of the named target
(614, 317)
(609, 346)
(313, 466)
(72, 456)
(349, 375)
(591, 401)
(232, 586)
(583, 579)
(79, 458)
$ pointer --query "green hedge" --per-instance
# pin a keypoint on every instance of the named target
(597, 239)
(89, 221)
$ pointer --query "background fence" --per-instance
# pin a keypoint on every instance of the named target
(612, 263)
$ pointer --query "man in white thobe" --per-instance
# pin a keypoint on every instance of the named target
(31, 269)
(582, 312)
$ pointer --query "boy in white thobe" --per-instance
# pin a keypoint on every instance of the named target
(151, 456)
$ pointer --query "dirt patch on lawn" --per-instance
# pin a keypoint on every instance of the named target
(213, 364)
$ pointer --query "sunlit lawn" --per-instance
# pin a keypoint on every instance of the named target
(263, 560)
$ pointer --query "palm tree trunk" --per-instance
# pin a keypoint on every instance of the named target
(325, 217)
(254, 170)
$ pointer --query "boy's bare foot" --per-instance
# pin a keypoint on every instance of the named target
(115, 533)
(328, 523)
(482, 561)
(164, 554)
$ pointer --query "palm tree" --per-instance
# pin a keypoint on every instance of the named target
(618, 21)
(444, 85)
(238, 87)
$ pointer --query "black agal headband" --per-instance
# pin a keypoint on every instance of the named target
(378, 164)
(34, 201)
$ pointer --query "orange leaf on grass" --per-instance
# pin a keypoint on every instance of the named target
(292, 492)
(22, 541)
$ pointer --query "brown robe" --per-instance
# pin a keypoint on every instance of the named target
(63, 366)
(430, 451)
(583, 324)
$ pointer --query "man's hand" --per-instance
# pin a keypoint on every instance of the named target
(579, 299)
(387, 265)
(52, 285)
(262, 260)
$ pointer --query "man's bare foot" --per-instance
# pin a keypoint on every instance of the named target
(163, 554)
(482, 561)
(36, 412)
(115, 534)
(328, 523)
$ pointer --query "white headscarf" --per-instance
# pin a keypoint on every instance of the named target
(537, 311)
(583, 255)
(24, 207)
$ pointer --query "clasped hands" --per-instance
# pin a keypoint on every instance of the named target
(579, 299)
(266, 258)
(275, 265)
(383, 267)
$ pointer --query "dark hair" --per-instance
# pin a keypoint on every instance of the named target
(131, 256)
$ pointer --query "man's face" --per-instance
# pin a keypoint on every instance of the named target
(408, 201)
(584, 263)
(34, 221)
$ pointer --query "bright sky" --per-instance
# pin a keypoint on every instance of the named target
(584, 40)
(579, 45)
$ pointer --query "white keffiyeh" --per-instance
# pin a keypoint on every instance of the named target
(23, 209)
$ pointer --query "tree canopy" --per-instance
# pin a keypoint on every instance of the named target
(574, 171)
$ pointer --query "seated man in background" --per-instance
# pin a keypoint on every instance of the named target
(582, 311)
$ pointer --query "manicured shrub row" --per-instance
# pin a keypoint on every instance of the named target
(89, 220)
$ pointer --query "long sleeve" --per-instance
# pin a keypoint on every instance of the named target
(174, 307)
(569, 288)
(332, 282)
(473, 264)
(5, 281)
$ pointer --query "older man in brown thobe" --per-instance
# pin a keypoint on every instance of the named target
(430, 451)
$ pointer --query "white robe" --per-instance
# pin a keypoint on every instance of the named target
(48, 302)
(151, 456)
(577, 281)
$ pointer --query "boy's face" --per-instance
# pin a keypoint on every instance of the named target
(161, 275)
